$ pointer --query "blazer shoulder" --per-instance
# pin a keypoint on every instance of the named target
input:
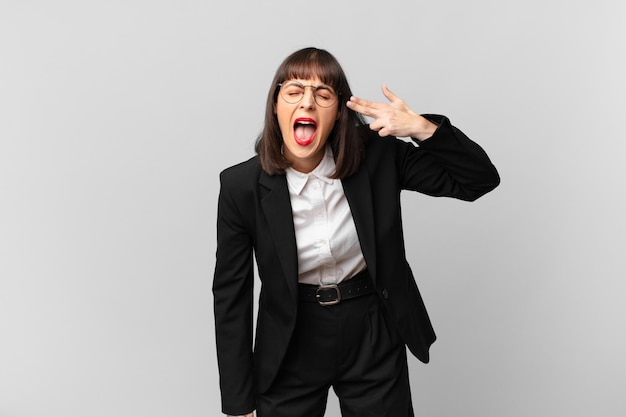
(373, 139)
(377, 147)
(242, 171)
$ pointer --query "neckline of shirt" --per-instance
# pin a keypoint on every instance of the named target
(296, 180)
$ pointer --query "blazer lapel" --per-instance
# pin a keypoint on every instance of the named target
(277, 209)
(359, 194)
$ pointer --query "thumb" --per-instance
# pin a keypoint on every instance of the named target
(390, 96)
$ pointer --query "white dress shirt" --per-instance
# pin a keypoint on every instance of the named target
(328, 247)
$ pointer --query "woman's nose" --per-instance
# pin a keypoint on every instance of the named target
(308, 100)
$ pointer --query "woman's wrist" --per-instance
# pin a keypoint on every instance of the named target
(424, 128)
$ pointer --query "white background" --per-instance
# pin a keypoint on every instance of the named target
(117, 116)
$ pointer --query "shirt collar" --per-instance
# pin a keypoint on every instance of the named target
(297, 180)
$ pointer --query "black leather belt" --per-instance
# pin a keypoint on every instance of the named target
(326, 295)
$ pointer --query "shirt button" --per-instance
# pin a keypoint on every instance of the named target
(385, 293)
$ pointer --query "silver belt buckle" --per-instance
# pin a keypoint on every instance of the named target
(325, 287)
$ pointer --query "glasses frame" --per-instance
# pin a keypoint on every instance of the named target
(315, 89)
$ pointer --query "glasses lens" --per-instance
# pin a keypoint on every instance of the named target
(293, 92)
(324, 96)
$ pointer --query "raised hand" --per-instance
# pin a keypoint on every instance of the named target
(394, 118)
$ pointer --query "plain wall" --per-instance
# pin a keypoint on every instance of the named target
(117, 116)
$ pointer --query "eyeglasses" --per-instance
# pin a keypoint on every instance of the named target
(293, 92)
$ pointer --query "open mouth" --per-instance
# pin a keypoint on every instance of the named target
(304, 130)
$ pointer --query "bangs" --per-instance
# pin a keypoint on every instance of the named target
(312, 63)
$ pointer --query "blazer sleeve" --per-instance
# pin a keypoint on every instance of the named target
(233, 303)
(448, 164)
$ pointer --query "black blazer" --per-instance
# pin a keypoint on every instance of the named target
(254, 219)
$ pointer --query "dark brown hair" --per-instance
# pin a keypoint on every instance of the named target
(347, 145)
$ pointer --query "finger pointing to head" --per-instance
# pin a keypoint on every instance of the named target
(360, 105)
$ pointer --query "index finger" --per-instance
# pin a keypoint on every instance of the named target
(365, 107)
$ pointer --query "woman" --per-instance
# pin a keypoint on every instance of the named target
(318, 208)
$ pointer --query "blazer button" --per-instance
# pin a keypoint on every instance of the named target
(385, 293)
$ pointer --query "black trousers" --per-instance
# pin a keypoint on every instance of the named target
(349, 347)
